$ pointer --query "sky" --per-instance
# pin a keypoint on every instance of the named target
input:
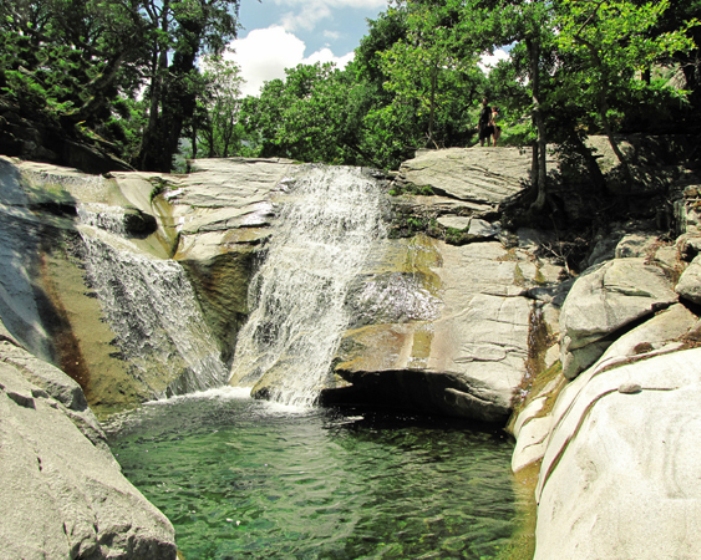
(279, 34)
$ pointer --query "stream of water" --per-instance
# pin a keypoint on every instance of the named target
(149, 304)
(243, 478)
(328, 226)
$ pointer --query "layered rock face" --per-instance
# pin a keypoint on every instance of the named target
(615, 437)
(91, 281)
(127, 270)
(134, 284)
(63, 493)
(444, 328)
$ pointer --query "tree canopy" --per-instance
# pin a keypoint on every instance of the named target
(121, 73)
(139, 77)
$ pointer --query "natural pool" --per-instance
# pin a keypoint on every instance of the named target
(241, 478)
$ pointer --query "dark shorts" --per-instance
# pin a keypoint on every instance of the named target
(486, 132)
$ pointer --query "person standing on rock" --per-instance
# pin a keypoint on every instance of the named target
(485, 125)
(496, 129)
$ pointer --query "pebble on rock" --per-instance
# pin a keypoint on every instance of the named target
(629, 388)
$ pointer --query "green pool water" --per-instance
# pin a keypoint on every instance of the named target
(241, 478)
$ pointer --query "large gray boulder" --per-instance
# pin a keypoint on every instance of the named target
(620, 475)
(603, 300)
(479, 175)
(63, 494)
(460, 344)
(663, 333)
(689, 285)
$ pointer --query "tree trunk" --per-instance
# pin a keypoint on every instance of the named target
(432, 105)
(604, 108)
(540, 155)
(178, 105)
(193, 139)
(159, 69)
(534, 165)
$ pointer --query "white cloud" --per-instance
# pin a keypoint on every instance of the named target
(331, 34)
(325, 55)
(310, 15)
(314, 11)
(264, 54)
(489, 61)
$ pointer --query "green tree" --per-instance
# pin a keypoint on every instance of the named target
(527, 26)
(183, 30)
(308, 116)
(610, 49)
(219, 130)
(430, 68)
(71, 64)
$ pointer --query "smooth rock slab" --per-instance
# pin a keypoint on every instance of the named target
(63, 497)
(486, 176)
(620, 476)
(455, 222)
(531, 443)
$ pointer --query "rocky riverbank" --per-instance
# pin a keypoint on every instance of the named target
(64, 495)
(590, 333)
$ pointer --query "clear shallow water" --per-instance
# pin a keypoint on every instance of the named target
(241, 478)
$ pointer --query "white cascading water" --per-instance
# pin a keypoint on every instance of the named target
(149, 303)
(328, 226)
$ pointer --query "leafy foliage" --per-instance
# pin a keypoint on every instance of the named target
(135, 76)
(80, 66)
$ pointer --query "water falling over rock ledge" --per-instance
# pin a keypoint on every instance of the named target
(410, 323)
(432, 326)
(330, 224)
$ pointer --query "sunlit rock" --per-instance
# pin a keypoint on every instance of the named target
(619, 477)
(603, 300)
(63, 492)
(486, 176)
(465, 353)
(689, 285)
(87, 285)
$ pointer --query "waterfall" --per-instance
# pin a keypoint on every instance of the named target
(150, 305)
(328, 226)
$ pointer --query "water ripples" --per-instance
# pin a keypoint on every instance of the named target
(241, 479)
